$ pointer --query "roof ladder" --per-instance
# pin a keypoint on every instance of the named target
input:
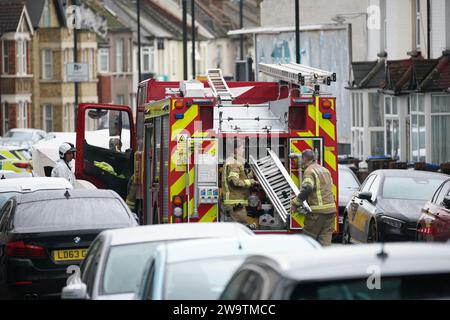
(299, 74)
(276, 182)
(219, 86)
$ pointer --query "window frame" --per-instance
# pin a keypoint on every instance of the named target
(120, 55)
(6, 57)
(46, 64)
(45, 118)
(68, 117)
(5, 117)
(417, 111)
(103, 53)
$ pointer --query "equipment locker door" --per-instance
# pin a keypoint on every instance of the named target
(105, 146)
(296, 147)
(203, 178)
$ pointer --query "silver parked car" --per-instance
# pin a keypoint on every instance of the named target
(394, 271)
(113, 266)
(200, 269)
(23, 138)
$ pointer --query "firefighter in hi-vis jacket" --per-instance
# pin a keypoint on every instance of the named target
(317, 190)
(236, 186)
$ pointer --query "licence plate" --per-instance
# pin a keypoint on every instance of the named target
(69, 255)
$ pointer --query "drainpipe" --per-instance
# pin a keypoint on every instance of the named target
(428, 29)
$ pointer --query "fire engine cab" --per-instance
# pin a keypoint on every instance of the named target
(173, 157)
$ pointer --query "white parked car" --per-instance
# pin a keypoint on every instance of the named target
(113, 265)
(200, 269)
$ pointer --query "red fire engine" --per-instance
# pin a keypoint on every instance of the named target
(175, 153)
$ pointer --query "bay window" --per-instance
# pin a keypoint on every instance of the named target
(418, 133)
(440, 128)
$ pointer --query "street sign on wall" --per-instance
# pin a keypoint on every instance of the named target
(77, 72)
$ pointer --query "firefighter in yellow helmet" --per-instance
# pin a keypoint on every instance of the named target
(317, 190)
(236, 186)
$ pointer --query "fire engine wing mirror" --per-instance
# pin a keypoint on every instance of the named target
(446, 202)
(97, 113)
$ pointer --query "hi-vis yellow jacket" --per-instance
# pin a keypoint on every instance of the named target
(235, 182)
(317, 184)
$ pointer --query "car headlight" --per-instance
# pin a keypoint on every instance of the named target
(392, 222)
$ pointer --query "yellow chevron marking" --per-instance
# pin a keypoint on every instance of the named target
(330, 159)
(180, 125)
(325, 124)
(199, 134)
(305, 134)
(180, 184)
(335, 191)
(211, 215)
(299, 218)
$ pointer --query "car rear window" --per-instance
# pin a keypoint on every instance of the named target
(125, 265)
(72, 214)
(208, 276)
(410, 188)
(411, 287)
(347, 180)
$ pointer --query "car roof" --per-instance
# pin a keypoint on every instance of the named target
(177, 231)
(34, 184)
(410, 173)
(45, 195)
(26, 130)
(215, 248)
(356, 261)
(344, 167)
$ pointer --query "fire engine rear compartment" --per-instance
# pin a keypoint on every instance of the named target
(157, 169)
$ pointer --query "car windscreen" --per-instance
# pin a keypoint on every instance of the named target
(5, 197)
(72, 214)
(410, 188)
(347, 180)
(208, 276)
(410, 287)
(124, 267)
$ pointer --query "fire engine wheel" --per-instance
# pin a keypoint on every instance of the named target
(372, 235)
(346, 238)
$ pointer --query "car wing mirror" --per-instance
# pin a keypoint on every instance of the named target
(365, 196)
(76, 291)
(446, 202)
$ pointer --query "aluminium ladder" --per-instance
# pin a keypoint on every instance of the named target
(277, 183)
(298, 74)
(219, 86)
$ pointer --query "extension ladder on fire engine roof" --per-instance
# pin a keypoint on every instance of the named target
(219, 86)
(297, 73)
(276, 182)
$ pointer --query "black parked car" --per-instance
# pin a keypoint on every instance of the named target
(348, 185)
(388, 205)
(44, 232)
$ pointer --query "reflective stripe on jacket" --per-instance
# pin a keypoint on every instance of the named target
(235, 182)
(321, 199)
